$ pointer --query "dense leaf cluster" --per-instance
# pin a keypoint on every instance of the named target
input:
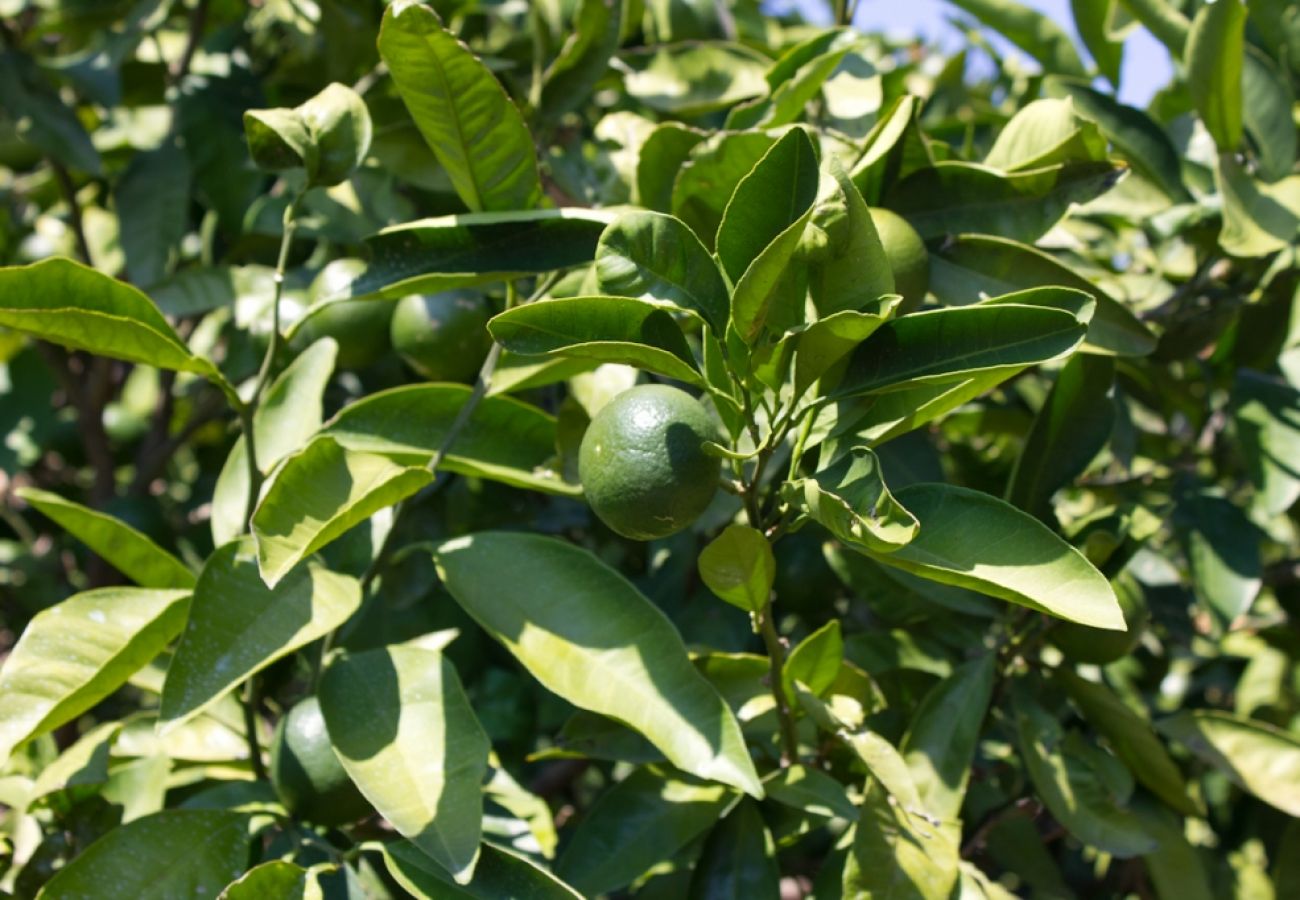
(997, 592)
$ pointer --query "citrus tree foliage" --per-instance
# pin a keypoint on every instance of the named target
(945, 546)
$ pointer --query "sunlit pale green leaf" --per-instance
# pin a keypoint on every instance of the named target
(403, 728)
(1215, 46)
(851, 499)
(1030, 30)
(898, 855)
(498, 873)
(275, 880)
(1259, 757)
(738, 566)
(692, 78)
(588, 635)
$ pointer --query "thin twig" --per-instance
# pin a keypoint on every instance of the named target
(198, 21)
(69, 191)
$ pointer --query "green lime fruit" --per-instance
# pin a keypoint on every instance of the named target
(359, 326)
(307, 775)
(908, 258)
(1100, 646)
(804, 580)
(642, 462)
(443, 336)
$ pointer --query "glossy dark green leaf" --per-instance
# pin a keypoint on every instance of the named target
(1267, 95)
(1223, 551)
(949, 345)
(152, 200)
(133, 554)
(898, 855)
(695, 77)
(1177, 869)
(1031, 31)
(465, 115)
(1028, 564)
(1267, 416)
(851, 499)
(1137, 138)
(1257, 756)
(739, 567)
(66, 303)
(41, 115)
(288, 415)
(643, 820)
(77, 652)
(318, 494)
(969, 266)
(708, 178)
(958, 197)
(174, 853)
(238, 626)
(498, 873)
(1132, 738)
(940, 742)
(811, 791)
(608, 329)
(820, 345)
(815, 661)
(738, 860)
(655, 257)
(1070, 429)
(584, 57)
(454, 251)
(1215, 46)
(403, 728)
(588, 635)
(503, 440)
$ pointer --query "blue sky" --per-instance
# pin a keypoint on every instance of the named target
(1146, 62)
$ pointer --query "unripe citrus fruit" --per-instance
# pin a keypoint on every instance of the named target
(307, 775)
(359, 326)
(442, 336)
(908, 258)
(1100, 646)
(642, 462)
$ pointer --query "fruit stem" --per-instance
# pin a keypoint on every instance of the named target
(249, 703)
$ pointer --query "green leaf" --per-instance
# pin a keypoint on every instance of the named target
(433, 255)
(1215, 46)
(1073, 791)
(1257, 756)
(894, 148)
(815, 661)
(1267, 98)
(609, 329)
(811, 791)
(852, 500)
(708, 178)
(655, 257)
(1164, 20)
(796, 79)
(278, 139)
(738, 860)
(1132, 738)
(238, 626)
(693, 78)
(1045, 133)
(1223, 551)
(643, 820)
(85, 763)
(851, 272)
(1177, 869)
(469, 122)
(970, 266)
(152, 200)
(1092, 20)
(588, 635)
(739, 567)
(174, 853)
(41, 116)
(820, 345)
(1267, 416)
(1258, 218)
(274, 880)
(66, 303)
(662, 156)
(503, 440)
(328, 136)
(584, 58)
(1139, 140)
(1031, 31)
(1022, 561)
(897, 855)
(940, 742)
(960, 197)
(949, 345)
(498, 873)
(318, 494)
(133, 554)
(403, 728)
(288, 415)
(1070, 429)
(77, 652)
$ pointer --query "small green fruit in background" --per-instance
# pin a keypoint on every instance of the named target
(642, 462)
(443, 336)
(908, 258)
(307, 775)
(1100, 646)
(359, 326)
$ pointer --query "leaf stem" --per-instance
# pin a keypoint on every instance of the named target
(776, 661)
(249, 703)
